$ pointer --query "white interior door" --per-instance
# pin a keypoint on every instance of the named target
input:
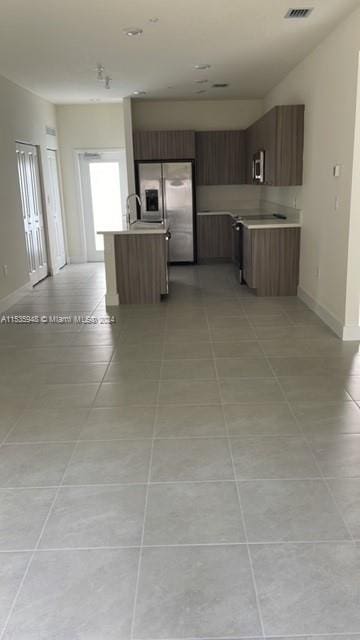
(29, 182)
(104, 190)
(56, 209)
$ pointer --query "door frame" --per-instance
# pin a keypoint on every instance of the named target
(43, 178)
(79, 192)
(43, 203)
(52, 240)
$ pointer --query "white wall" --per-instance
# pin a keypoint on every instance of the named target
(23, 117)
(198, 115)
(129, 144)
(352, 319)
(326, 81)
(82, 127)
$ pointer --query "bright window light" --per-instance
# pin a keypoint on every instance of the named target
(106, 198)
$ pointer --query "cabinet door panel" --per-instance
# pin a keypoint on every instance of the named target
(290, 145)
(280, 133)
(271, 260)
(220, 157)
(214, 237)
(164, 145)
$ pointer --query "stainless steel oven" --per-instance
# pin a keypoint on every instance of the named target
(258, 167)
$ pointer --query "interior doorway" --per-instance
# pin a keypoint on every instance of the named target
(33, 219)
(55, 206)
(103, 189)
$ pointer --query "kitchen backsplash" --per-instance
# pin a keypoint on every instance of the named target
(221, 198)
(251, 197)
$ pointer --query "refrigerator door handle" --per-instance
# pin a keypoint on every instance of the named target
(163, 193)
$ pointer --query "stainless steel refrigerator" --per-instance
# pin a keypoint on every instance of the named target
(166, 191)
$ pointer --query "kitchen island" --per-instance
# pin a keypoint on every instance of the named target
(136, 263)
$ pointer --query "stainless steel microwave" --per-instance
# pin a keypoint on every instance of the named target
(258, 167)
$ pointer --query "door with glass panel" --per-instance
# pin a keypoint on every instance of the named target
(103, 190)
(30, 192)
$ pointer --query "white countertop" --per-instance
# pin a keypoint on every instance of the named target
(270, 224)
(136, 228)
(253, 220)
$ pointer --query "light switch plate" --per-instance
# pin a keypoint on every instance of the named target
(337, 171)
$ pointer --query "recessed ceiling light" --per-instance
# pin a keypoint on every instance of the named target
(154, 19)
(139, 93)
(201, 81)
(202, 67)
(133, 31)
(220, 85)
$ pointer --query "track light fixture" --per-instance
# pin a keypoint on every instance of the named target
(101, 75)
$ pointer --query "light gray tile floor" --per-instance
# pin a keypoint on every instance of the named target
(191, 471)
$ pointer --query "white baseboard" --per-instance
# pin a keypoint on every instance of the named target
(77, 259)
(112, 300)
(351, 332)
(14, 297)
(323, 313)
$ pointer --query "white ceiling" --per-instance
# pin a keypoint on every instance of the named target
(52, 46)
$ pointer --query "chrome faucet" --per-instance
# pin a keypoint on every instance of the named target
(128, 210)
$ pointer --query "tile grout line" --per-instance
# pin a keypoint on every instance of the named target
(137, 583)
(308, 445)
(45, 522)
(148, 484)
(241, 511)
(258, 543)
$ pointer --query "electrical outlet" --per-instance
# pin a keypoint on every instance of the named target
(5, 269)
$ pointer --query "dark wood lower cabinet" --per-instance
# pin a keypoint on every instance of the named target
(271, 260)
(141, 267)
(214, 238)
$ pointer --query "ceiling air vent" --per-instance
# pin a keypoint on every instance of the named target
(298, 13)
(50, 131)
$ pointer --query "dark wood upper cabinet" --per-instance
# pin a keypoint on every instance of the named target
(225, 157)
(280, 133)
(220, 157)
(164, 145)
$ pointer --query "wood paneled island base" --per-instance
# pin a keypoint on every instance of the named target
(136, 264)
(141, 268)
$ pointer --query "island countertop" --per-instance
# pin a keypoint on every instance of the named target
(136, 228)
